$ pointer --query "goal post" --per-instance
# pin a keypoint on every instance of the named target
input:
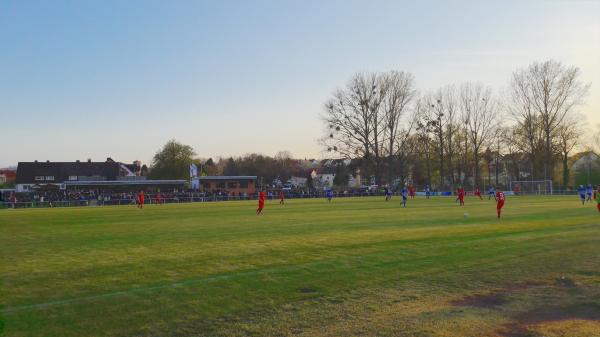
(529, 187)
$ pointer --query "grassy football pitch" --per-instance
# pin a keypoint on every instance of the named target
(353, 267)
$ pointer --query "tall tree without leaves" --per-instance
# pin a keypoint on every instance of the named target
(350, 116)
(423, 134)
(400, 93)
(481, 115)
(528, 135)
(566, 139)
(450, 104)
(546, 93)
(364, 119)
(435, 122)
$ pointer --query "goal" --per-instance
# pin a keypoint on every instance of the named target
(541, 187)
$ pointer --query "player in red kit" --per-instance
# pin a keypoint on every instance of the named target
(281, 197)
(478, 193)
(499, 202)
(158, 198)
(597, 197)
(261, 202)
(411, 191)
(461, 196)
(140, 200)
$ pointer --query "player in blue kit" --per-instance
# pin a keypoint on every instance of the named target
(329, 195)
(404, 196)
(491, 192)
(388, 193)
(581, 190)
(589, 192)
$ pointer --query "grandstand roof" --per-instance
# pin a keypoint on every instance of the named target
(60, 171)
(125, 183)
(227, 178)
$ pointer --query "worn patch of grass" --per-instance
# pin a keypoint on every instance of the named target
(357, 266)
(568, 328)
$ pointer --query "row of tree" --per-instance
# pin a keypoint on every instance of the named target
(444, 138)
(454, 135)
(173, 161)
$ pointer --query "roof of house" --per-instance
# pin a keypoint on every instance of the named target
(584, 159)
(227, 178)
(125, 183)
(27, 171)
(9, 173)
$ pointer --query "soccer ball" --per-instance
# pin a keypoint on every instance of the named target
(466, 215)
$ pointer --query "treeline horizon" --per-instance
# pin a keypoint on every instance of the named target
(447, 137)
(455, 135)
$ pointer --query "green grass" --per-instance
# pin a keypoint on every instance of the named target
(357, 266)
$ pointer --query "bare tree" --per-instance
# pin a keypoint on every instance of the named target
(528, 131)
(464, 120)
(450, 104)
(424, 130)
(512, 152)
(548, 91)
(499, 140)
(400, 93)
(349, 119)
(481, 118)
(596, 140)
(377, 120)
(283, 163)
(433, 121)
(405, 142)
(437, 124)
(364, 119)
(567, 138)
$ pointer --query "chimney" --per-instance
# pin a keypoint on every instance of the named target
(47, 161)
(35, 161)
(77, 161)
(89, 160)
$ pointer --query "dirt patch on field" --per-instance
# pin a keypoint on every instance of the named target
(523, 322)
(516, 330)
(565, 282)
(523, 286)
(493, 299)
(587, 311)
(480, 301)
(527, 323)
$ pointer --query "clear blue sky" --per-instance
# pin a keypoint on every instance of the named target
(91, 79)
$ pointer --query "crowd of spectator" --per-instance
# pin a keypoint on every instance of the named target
(95, 197)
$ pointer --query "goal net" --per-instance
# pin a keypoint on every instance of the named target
(529, 187)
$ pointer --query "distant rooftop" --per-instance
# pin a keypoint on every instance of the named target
(124, 182)
(227, 178)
